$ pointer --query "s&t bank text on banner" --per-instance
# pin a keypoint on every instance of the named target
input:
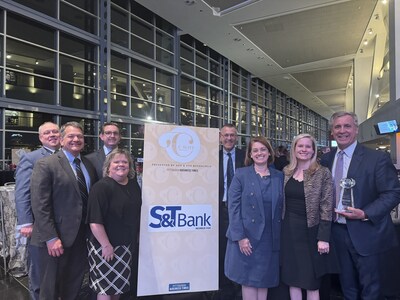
(179, 221)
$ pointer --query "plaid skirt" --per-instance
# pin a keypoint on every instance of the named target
(112, 277)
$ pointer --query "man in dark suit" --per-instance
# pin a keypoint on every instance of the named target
(59, 188)
(49, 136)
(111, 136)
(363, 232)
(228, 138)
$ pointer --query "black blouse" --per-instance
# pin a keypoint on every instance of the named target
(117, 207)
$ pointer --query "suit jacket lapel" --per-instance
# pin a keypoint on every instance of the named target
(63, 160)
(101, 156)
(356, 160)
(331, 158)
(257, 190)
(89, 169)
(44, 152)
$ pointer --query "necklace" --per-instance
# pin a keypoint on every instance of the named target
(262, 173)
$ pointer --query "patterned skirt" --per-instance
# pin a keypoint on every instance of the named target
(112, 277)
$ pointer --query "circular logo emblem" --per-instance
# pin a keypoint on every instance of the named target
(182, 144)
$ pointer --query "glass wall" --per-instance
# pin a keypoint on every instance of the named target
(50, 71)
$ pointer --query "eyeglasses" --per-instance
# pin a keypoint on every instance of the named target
(110, 133)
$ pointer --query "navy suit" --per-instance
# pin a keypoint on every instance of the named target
(58, 209)
(24, 212)
(359, 243)
(225, 285)
(247, 219)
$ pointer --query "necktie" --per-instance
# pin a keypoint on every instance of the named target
(338, 177)
(229, 170)
(82, 185)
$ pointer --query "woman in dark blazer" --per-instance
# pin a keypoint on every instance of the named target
(255, 200)
(307, 220)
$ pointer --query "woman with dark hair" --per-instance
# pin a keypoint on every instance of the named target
(255, 200)
(114, 218)
(306, 248)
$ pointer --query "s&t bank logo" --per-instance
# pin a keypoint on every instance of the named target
(182, 144)
(179, 218)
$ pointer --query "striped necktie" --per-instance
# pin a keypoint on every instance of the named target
(230, 172)
(338, 177)
(82, 184)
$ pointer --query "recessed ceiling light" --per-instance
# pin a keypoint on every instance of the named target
(286, 77)
(365, 42)
(237, 39)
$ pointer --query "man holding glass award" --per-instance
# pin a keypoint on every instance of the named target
(367, 189)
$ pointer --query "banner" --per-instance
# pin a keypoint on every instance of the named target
(179, 220)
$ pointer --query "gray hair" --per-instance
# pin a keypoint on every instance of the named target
(45, 123)
(70, 124)
(342, 114)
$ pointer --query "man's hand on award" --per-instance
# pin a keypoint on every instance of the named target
(352, 213)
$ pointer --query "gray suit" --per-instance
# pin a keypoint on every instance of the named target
(22, 185)
(97, 159)
(58, 210)
(24, 211)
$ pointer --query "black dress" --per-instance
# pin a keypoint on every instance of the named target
(117, 207)
(296, 252)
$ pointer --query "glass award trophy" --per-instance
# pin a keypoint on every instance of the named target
(347, 197)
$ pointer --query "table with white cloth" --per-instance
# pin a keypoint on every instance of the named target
(13, 244)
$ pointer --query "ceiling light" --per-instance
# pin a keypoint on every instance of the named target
(365, 42)
(286, 77)
(8, 56)
(370, 31)
(237, 39)
(361, 50)
(384, 1)
(36, 62)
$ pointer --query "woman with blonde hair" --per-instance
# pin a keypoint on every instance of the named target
(306, 252)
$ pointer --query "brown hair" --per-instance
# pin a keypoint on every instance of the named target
(263, 140)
